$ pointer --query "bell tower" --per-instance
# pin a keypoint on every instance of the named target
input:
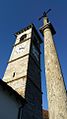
(23, 72)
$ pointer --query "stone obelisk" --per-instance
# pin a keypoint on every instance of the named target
(56, 92)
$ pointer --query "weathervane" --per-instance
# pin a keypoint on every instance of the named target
(45, 14)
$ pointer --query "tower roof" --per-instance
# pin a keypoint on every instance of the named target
(28, 27)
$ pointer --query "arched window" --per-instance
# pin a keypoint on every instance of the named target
(23, 37)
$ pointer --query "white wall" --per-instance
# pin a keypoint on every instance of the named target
(8, 106)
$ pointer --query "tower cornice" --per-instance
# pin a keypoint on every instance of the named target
(28, 27)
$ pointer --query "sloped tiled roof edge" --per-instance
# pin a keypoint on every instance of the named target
(12, 92)
(45, 114)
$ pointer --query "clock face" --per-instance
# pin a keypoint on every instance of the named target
(35, 52)
(20, 49)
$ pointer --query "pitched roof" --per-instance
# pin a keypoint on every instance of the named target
(45, 114)
(12, 92)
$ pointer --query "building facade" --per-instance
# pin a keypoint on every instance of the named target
(11, 103)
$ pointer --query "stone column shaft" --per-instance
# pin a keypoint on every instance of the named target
(57, 100)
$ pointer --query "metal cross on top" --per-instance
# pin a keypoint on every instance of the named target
(45, 14)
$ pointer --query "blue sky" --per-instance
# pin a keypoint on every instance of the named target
(16, 14)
